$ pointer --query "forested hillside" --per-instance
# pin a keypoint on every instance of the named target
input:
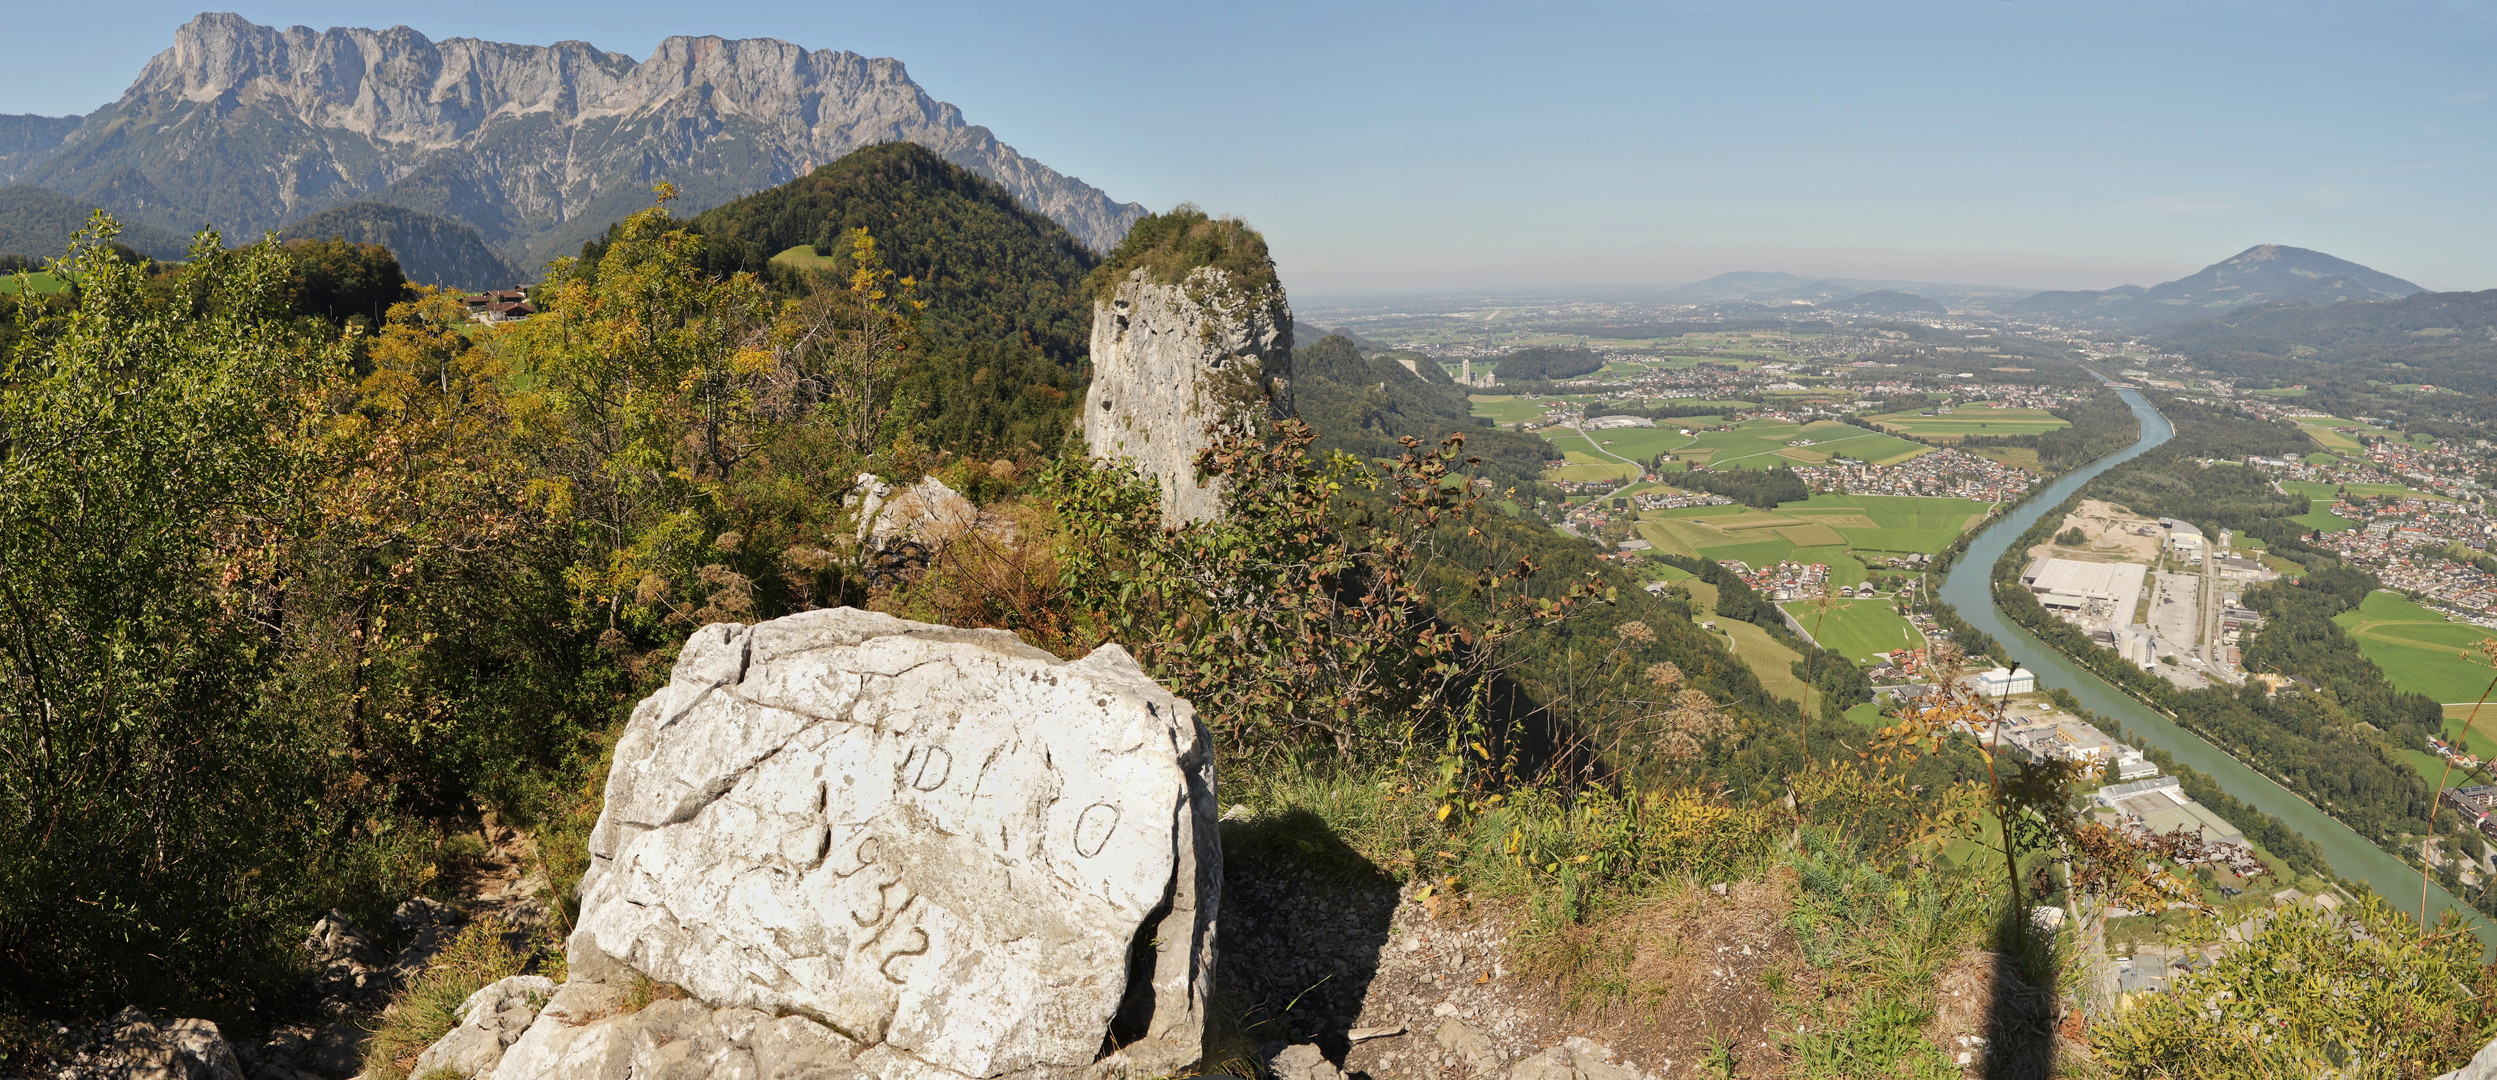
(431, 250)
(1545, 363)
(37, 223)
(2446, 338)
(1362, 403)
(1007, 323)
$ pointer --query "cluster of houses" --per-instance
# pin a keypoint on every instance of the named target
(1944, 472)
(2391, 540)
(498, 305)
(2475, 804)
(1783, 581)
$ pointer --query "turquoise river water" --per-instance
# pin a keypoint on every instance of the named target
(1967, 588)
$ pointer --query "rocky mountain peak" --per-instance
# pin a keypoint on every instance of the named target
(537, 146)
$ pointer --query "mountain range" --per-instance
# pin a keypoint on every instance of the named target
(538, 148)
(2263, 274)
(1779, 287)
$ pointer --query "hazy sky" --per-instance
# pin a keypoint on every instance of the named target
(1391, 147)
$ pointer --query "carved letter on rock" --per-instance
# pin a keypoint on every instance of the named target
(942, 844)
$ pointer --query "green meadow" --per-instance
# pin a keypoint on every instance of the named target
(2420, 650)
(1637, 444)
(2319, 428)
(1856, 629)
(1973, 421)
(1827, 529)
(37, 282)
(1773, 663)
(1508, 409)
(1764, 444)
(2318, 515)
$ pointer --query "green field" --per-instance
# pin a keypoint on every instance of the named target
(1585, 465)
(1772, 663)
(1507, 409)
(1973, 421)
(2420, 650)
(1637, 444)
(1856, 629)
(2318, 515)
(2319, 428)
(804, 258)
(1822, 529)
(1762, 444)
(37, 282)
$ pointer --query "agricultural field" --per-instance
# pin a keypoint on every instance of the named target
(2420, 650)
(1768, 660)
(37, 282)
(1822, 529)
(2318, 515)
(1767, 444)
(2319, 428)
(2321, 496)
(1856, 629)
(1637, 444)
(1972, 421)
(1508, 410)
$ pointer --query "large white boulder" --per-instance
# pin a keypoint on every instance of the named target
(939, 853)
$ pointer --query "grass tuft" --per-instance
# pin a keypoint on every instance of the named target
(428, 1008)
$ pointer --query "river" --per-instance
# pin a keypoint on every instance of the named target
(1968, 588)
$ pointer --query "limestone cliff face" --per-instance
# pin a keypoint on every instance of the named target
(1170, 360)
(538, 147)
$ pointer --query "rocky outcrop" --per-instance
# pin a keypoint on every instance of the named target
(489, 1022)
(135, 1046)
(2482, 1066)
(1170, 361)
(840, 842)
(538, 147)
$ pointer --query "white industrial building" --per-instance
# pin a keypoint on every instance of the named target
(1999, 681)
(2138, 645)
(2071, 583)
(2184, 537)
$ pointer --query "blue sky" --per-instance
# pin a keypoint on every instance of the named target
(1396, 147)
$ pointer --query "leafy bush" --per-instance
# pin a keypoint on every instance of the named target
(1169, 247)
(2361, 994)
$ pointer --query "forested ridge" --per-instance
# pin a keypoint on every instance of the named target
(1006, 325)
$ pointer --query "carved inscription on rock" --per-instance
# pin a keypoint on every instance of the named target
(946, 850)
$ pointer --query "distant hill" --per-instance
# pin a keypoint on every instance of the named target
(38, 223)
(431, 250)
(1778, 287)
(25, 139)
(1547, 362)
(2449, 339)
(1008, 320)
(2263, 274)
(1889, 302)
(537, 147)
(1361, 401)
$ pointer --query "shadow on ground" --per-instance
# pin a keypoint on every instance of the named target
(1304, 918)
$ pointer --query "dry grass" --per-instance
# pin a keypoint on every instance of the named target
(1681, 973)
(428, 1008)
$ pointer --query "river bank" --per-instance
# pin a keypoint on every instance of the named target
(1968, 589)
